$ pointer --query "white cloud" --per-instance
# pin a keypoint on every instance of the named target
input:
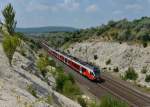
(92, 8)
(69, 5)
(134, 7)
(34, 6)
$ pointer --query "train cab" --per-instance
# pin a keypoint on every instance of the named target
(96, 72)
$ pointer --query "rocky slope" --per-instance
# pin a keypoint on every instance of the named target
(119, 55)
(15, 83)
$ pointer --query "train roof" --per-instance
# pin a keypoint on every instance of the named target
(80, 61)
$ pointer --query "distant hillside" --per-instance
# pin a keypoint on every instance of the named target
(122, 30)
(46, 29)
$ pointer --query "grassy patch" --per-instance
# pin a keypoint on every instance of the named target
(109, 101)
(32, 90)
(130, 74)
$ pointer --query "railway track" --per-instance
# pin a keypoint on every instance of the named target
(132, 96)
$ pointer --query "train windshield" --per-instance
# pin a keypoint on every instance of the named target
(96, 71)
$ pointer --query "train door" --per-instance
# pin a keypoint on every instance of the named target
(83, 71)
(65, 60)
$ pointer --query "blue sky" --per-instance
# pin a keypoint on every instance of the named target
(75, 13)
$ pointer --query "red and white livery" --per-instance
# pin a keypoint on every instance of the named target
(91, 72)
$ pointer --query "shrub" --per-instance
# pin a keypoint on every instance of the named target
(95, 57)
(42, 63)
(94, 104)
(70, 90)
(10, 44)
(60, 81)
(82, 102)
(70, 77)
(145, 44)
(109, 101)
(32, 90)
(116, 69)
(147, 79)
(144, 70)
(52, 63)
(108, 61)
(131, 74)
(49, 99)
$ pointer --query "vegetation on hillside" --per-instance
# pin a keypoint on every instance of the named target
(9, 19)
(9, 45)
(11, 41)
(66, 85)
(56, 39)
(109, 101)
(42, 63)
(121, 31)
(130, 74)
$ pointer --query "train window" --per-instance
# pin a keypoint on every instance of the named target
(91, 73)
(65, 59)
(83, 69)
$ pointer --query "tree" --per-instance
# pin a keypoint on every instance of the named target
(9, 19)
(9, 45)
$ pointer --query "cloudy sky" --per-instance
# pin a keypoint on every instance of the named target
(75, 13)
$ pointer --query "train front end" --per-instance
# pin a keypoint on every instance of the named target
(97, 73)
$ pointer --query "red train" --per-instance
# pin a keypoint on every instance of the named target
(91, 72)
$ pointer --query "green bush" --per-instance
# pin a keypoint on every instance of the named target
(116, 69)
(60, 81)
(82, 102)
(147, 79)
(108, 61)
(145, 44)
(95, 57)
(52, 63)
(70, 77)
(109, 101)
(49, 99)
(70, 89)
(65, 84)
(10, 44)
(144, 70)
(42, 63)
(131, 74)
(32, 90)
(94, 104)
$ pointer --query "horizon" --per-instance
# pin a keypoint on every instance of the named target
(75, 13)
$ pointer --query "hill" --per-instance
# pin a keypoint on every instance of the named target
(122, 30)
(46, 29)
